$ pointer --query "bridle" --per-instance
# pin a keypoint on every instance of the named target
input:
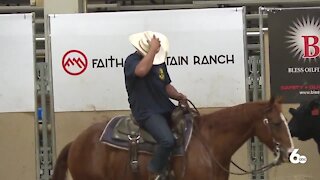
(276, 161)
(271, 125)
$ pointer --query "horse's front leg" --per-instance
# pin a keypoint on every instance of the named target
(196, 164)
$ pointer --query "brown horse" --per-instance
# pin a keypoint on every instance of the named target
(219, 136)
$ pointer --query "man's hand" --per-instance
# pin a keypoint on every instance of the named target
(145, 64)
(183, 100)
(174, 94)
(154, 44)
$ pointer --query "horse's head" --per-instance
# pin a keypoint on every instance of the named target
(274, 131)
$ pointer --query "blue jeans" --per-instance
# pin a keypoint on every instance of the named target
(158, 127)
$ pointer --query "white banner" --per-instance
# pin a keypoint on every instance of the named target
(206, 58)
(17, 63)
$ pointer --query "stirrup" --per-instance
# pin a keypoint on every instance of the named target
(133, 152)
(153, 176)
(157, 177)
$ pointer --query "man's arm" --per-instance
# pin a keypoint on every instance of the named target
(174, 94)
(146, 63)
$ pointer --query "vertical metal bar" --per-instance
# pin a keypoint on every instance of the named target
(32, 2)
(44, 129)
(245, 51)
(256, 146)
(258, 153)
(263, 86)
(36, 85)
(84, 6)
(262, 11)
(50, 87)
(255, 82)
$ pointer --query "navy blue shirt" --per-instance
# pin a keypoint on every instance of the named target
(147, 95)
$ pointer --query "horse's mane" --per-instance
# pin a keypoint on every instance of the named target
(231, 114)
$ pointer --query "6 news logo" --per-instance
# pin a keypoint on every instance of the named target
(296, 158)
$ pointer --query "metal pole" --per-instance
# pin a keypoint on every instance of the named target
(44, 129)
(10, 9)
(255, 82)
(50, 87)
(84, 5)
(245, 52)
(257, 150)
(258, 153)
(263, 85)
(36, 85)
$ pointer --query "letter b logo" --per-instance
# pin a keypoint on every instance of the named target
(311, 48)
(296, 158)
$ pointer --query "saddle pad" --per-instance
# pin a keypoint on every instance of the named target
(107, 138)
(126, 126)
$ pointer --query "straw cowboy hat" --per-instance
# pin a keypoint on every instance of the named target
(140, 42)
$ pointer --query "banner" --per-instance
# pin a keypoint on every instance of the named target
(17, 56)
(294, 54)
(206, 60)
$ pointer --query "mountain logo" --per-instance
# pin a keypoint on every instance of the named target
(74, 62)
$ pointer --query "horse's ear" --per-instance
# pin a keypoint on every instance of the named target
(270, 104)
(272, 100)
(277, 99)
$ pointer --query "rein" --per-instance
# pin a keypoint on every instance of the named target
(193, 112)
(244, 172)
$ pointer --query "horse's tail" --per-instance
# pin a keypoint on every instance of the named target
(61, 166)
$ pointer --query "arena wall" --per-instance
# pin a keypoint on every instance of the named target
(17, 146)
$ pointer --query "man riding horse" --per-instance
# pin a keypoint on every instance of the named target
(149, 89)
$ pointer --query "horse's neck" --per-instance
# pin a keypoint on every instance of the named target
(227, 130)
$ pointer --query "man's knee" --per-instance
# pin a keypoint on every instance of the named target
(168, 142)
